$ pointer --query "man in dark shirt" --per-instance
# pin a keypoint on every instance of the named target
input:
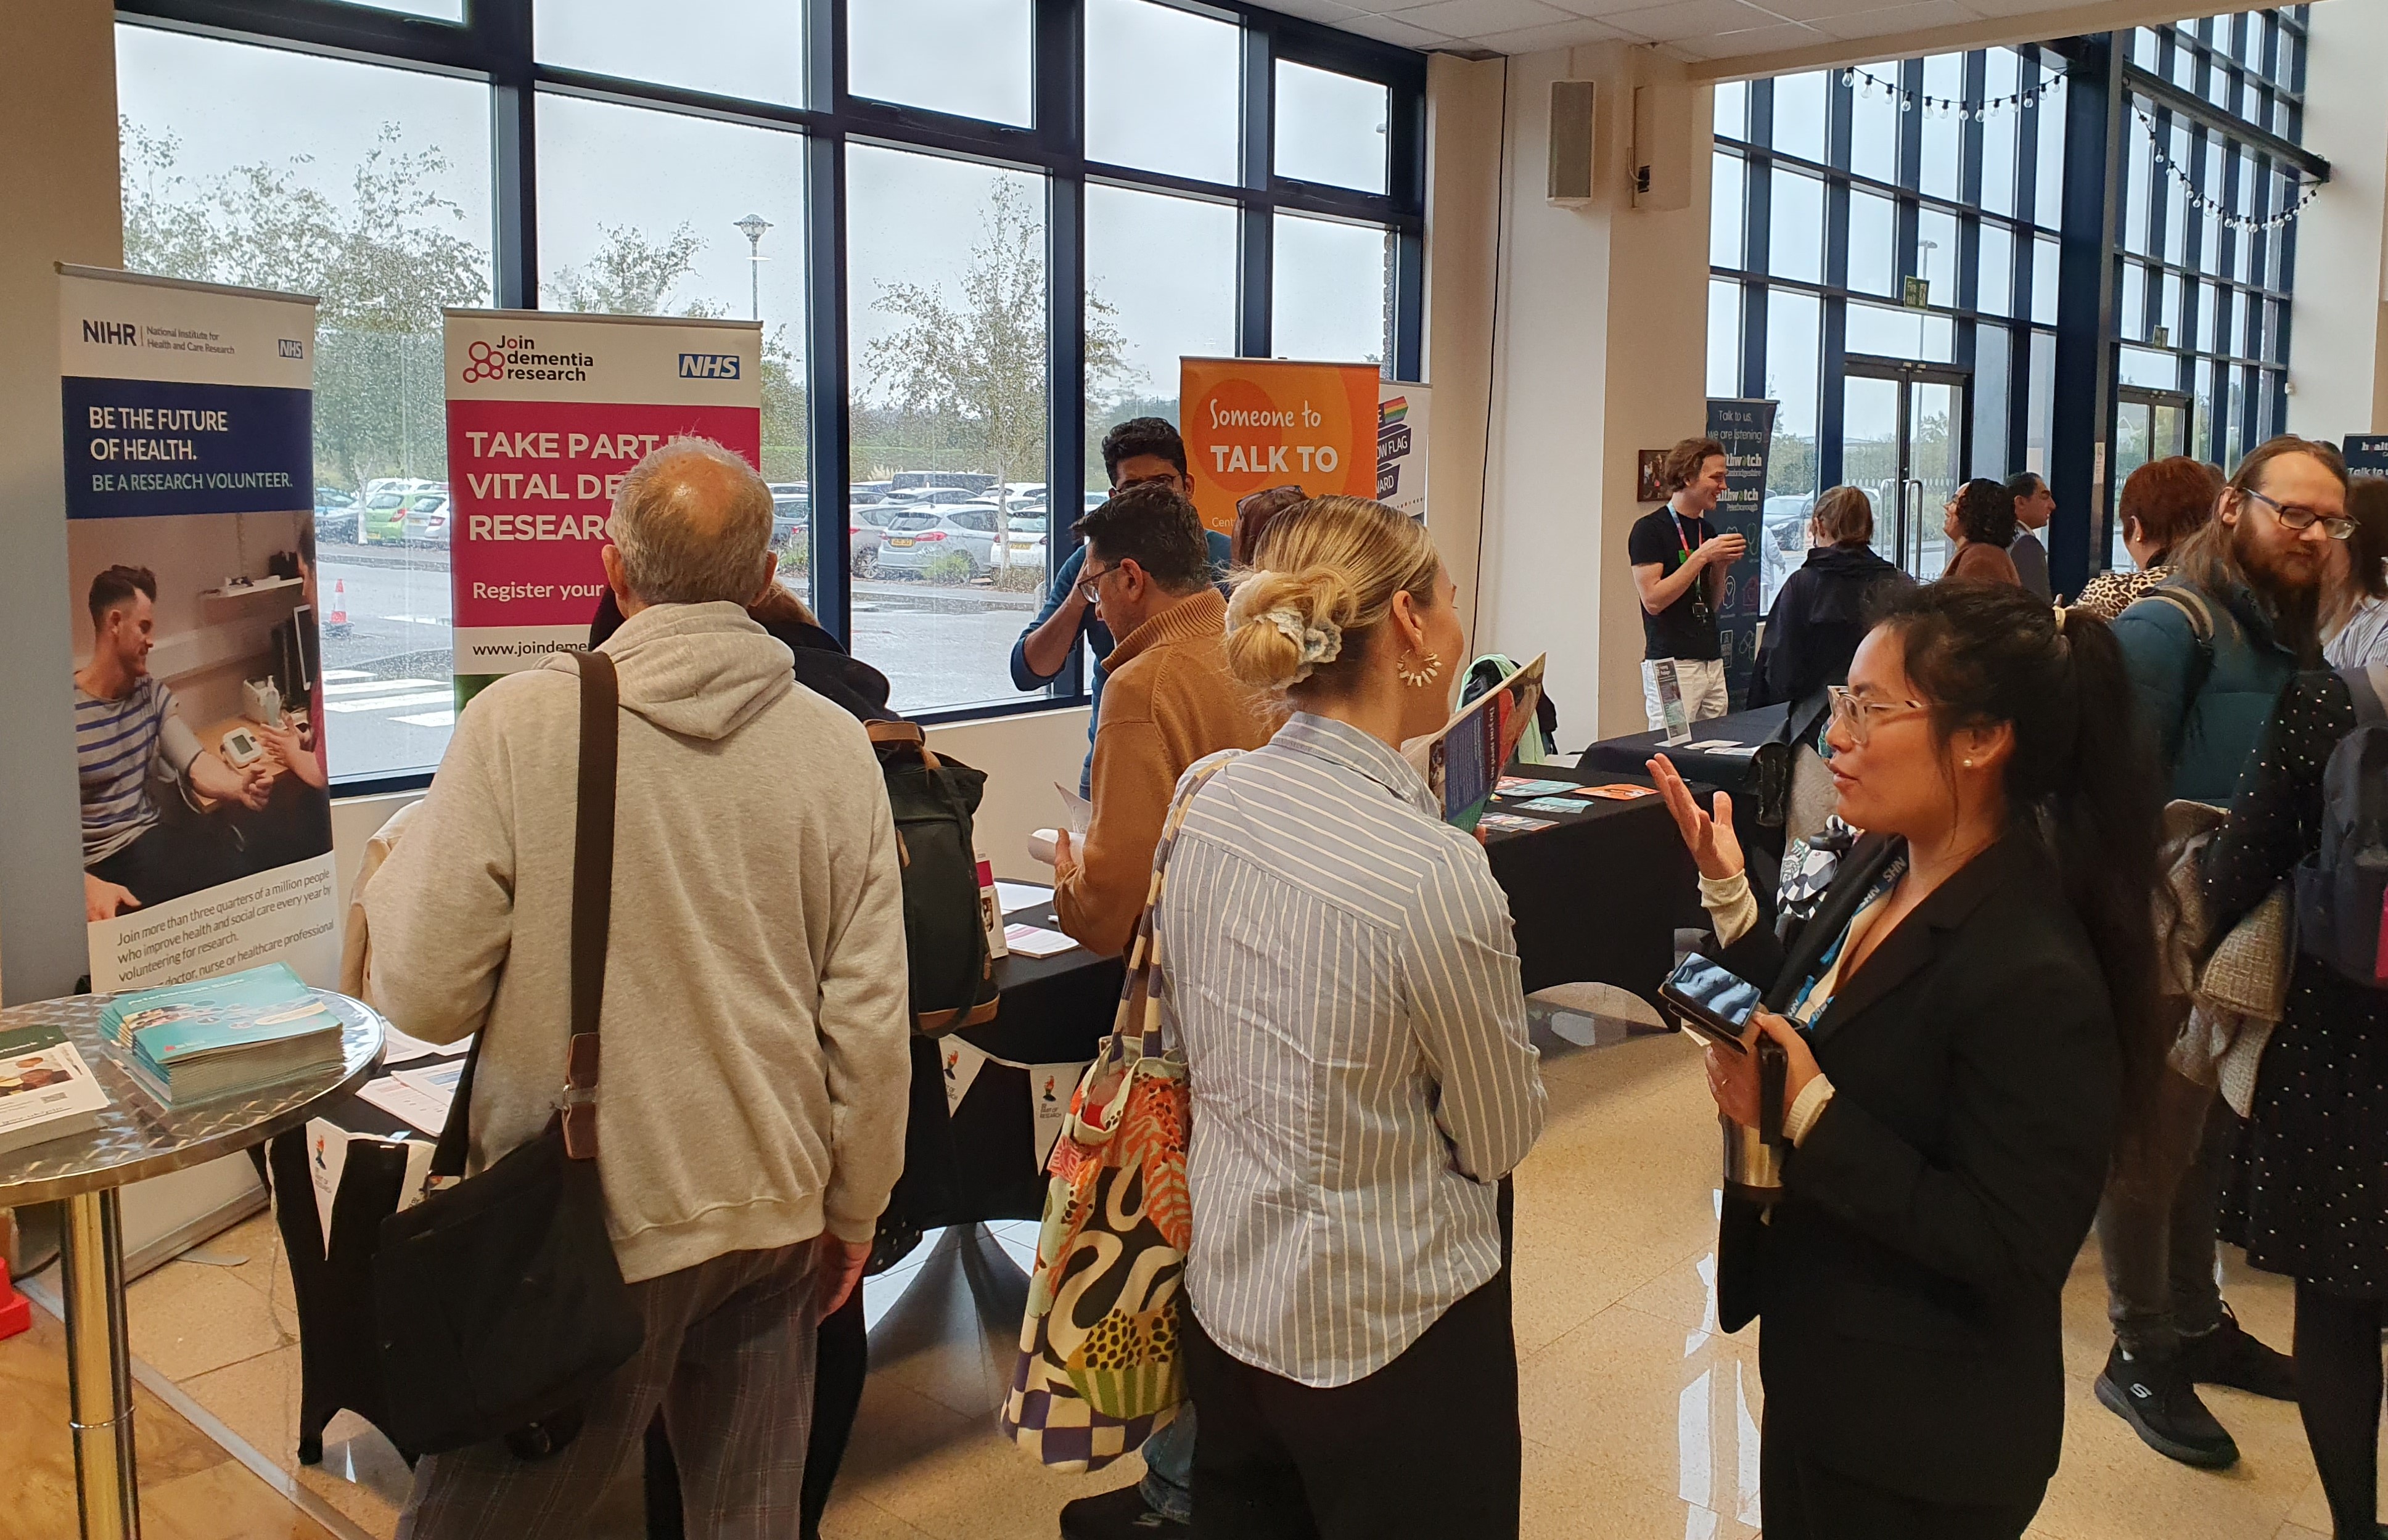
(1679, 566)
(1140, 449)
(2035, 505)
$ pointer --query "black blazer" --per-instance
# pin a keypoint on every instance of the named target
(1818, 620)
(1909, 1277)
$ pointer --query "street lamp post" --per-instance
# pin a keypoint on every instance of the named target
(752, 227)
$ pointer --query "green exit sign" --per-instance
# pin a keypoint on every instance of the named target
(1916, 294)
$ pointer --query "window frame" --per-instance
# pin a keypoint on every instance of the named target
(493, 43)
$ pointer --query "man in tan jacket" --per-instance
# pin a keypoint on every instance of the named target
(1170, 700)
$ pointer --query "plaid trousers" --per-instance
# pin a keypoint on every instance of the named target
(728, 1358)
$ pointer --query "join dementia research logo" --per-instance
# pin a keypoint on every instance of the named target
(518, 358)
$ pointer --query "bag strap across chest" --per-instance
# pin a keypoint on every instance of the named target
(593, 916)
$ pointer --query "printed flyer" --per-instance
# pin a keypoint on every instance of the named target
(546, 414)
(1401, 446)
(1251, 424)
(188, 412)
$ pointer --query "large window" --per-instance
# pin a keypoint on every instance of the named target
(969, 260)
(1885, 248)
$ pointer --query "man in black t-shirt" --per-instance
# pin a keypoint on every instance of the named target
(1679, 566)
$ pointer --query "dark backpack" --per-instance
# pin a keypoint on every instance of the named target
(2342, 888)
(951, 968)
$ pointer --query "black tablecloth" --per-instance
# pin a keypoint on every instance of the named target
(1729, 772)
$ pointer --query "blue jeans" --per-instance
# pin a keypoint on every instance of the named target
(1168, 1485)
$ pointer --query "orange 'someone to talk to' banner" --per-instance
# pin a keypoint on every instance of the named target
(1254, 423)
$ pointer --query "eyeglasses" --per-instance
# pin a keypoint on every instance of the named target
(1858, 717)
(2336, 527)
(1090, 585)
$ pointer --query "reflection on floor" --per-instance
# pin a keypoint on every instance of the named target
(1641, 1419)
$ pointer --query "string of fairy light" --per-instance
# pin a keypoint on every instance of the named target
(2214, 208)
(1868, 85)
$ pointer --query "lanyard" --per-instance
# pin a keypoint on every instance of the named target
(1882, 886)
(1681, 538)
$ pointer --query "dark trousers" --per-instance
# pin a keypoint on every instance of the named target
(1802, 1500)
(2338, 1395)
(167, 862)
(842, 1362)
(2155, 1230)
(1425, 1447)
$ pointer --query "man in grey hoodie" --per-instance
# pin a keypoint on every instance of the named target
(756, 1054)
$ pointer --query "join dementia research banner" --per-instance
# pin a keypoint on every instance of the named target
(197, 697)
(546, 412)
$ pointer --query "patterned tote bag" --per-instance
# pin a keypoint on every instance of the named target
(1099, 1369)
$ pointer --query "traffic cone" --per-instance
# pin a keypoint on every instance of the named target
(338, 618)
(16, 1310)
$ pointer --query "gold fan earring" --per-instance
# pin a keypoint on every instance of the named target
(1424, 674)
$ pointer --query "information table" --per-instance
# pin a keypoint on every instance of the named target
(136, 1140)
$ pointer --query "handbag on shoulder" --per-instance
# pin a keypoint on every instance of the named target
(500, 1302)
(1098, 1371)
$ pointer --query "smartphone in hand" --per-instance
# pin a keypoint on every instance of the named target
(1712, 1002)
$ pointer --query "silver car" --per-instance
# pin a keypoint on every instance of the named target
(915, 539)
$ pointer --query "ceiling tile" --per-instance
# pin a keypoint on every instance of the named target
(1611, 7)
(1774, 37)
(1329, 11)
(1690, 18)
(1477, 18)
(1883, 21)
(1393, 29)
(1559, 35)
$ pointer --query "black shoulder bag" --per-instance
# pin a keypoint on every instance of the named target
(500, 1302)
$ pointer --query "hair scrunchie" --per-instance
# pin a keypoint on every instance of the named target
(1319, 644)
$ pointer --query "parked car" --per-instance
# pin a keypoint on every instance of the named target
(864, 524)
(381, 518)
(791, 514)
(427, 518)
(914, 539)
(339, 514)
(1783, 546)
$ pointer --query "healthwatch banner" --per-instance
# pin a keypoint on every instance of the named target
(546, 414)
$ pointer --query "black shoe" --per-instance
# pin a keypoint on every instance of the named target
(2160, 1402)
(2229, 1355)
(1118, 1515)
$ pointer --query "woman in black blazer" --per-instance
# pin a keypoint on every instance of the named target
(1962, 1020)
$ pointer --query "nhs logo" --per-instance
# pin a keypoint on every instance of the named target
(289, 346)
(708, 365)
(112, 333)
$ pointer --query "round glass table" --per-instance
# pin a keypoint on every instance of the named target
(138, 1139)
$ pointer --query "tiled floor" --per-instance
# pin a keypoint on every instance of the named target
(1641, 1419)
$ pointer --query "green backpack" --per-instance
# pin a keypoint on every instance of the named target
(951, 969)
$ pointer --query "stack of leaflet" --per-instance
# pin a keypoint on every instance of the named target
(222, 1037)
(46, 1091)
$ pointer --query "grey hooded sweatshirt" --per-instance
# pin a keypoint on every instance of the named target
(757, 1061)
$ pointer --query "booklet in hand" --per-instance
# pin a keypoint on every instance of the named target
(1462, 763)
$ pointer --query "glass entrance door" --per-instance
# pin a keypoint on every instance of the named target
(1904, 444)
(2148, 425)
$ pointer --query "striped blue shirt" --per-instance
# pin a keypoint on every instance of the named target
(115, 743)
(1338, 965)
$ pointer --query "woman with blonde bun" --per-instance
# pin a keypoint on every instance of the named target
(1338, 965)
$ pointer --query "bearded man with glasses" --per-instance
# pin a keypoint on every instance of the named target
(2209, 651)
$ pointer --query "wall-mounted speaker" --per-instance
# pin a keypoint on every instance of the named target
(1571, 173)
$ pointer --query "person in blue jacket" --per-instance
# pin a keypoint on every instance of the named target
(1140, 449)
(2209, 651)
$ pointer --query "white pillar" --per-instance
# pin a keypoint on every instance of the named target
(58, 183)
(2338, 338)
(1601, 351)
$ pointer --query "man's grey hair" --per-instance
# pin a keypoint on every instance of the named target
(681, 543)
